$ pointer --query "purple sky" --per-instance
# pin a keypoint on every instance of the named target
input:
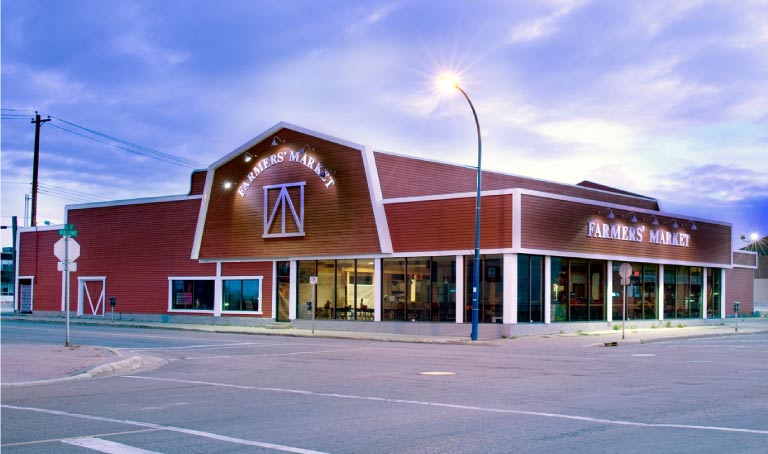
(665, 99)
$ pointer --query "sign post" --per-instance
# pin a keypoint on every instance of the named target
(313, 281)
(67, 250)
(624, 271)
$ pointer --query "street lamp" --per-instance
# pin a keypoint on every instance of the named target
(448, 82)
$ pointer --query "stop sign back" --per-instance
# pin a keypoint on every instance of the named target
(61, 245)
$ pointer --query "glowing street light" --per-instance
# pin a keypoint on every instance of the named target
(448, 82)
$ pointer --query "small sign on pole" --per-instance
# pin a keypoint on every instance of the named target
(313, 281)
(625, 270)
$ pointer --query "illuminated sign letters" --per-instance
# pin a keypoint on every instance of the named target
(286, 156)
(637, 234)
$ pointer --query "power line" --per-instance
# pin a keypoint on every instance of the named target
(174, 160)
(162, 156)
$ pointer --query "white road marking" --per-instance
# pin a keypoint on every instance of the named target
(150, 425)
(106, 446)
(461, 407)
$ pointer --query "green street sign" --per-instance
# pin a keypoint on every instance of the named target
(68, 232)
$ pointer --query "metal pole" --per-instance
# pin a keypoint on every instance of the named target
(66, 285)
(476, 264)
(624, 311)
(314, 306)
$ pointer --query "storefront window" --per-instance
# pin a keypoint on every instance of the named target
(344, 289)
(419, 289)
(682, 292)
(491, 291)
(530, 288)
(641, 292)
(713, 292)
(578, 289)
(192, 294)
(242, 295)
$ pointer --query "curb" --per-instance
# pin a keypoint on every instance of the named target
(120, 367)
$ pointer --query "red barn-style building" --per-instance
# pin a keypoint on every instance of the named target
(296, 225)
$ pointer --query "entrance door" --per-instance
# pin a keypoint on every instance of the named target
(283, 291)
(25, 296)
(91, 298)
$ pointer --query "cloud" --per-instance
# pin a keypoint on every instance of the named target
(541, 27)
(378, 14)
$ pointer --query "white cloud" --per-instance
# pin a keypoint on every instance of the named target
(595, 133)
(378, 14)
(542, 27)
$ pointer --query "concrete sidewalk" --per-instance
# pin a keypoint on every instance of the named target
(28, 364)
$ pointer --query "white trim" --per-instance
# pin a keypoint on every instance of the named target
(377, 200)
(509, 292)
(547, 289)
(81, 287)
(704, 293)
(748, 267)
(201, 216)
(274, 289)
(39, 228)
(460, 288)
(293, 291)
(660, 286)
(140, 201)
(378, 283)
(190, 278)
(576, 255)
(218, 292)
(517, 219)
(455, 195)
(244, 278)
(609, 290)
(722, 293)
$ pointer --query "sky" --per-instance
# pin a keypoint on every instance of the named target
(665, 99)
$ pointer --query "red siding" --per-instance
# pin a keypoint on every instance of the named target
(197, 185)
(744, 258)
(36, 259)
(740, 287)
(337, 220)
(138, 247)
(405, 177)
(559, 225)
(450, 224)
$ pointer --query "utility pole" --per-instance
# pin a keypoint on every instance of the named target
(37, 121)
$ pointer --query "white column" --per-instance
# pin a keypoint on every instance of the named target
(609, 292)
(459, 289)
(218, 293)
(722, 293)
(509, 304)
(377, 284)
(548, 289)
(292, 292)
(704, 292)
(660, 303)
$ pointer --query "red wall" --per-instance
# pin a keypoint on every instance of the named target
(740, 287)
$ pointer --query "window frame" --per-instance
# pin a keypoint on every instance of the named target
(260, 280)
(190, 278)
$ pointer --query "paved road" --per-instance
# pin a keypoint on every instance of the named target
(240, 393)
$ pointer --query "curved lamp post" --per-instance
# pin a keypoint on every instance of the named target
(450, 82)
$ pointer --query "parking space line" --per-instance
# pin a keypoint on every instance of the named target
(105, 446)
(183, 430)
(462, 407)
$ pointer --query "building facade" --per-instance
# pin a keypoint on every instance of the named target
(297, 226)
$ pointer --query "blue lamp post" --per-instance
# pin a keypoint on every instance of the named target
(452, 82)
